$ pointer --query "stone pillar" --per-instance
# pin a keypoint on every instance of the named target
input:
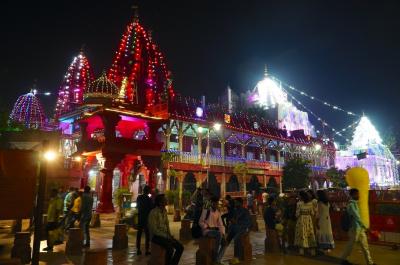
(244, 250)
(205, 252)
(110, 120)
(223, 152)
(120, 238)
(158, 255)
(21, 248)
(243, 150)
(95, 256)
(199, 146)
(106, 205)
(74, 242)
(223, 184)
(185, 232)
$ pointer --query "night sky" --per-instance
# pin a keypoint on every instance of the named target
(345, 52)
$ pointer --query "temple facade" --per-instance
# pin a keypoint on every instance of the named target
(129, 128)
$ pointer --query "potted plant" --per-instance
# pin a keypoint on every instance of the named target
(170, 196)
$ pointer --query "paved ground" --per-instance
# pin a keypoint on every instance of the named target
(102, 238)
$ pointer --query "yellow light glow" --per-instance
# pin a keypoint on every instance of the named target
(50, 155)
(217, 126)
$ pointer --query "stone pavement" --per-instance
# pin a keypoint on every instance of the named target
(102, 238)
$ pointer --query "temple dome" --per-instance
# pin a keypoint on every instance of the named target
(102, 87)
(28, 111)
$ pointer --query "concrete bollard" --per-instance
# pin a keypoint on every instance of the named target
(74, 242)
(254, 224)
(95, 222)
(205, 253)
(158, 255)
(22, 248)
(271, 241)
(10, 262)
(185, 233)
(244, 251)
(120, 238)
(95, 256)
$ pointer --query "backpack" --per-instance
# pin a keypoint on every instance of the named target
(345, 221)
(196, 229)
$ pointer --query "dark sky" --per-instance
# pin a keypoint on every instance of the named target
(345, 52)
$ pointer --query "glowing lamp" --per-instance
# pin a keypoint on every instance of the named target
(199, 112)
(200, 129)
(303, 148)
(50, 155)
(317, 147)
(217, 126)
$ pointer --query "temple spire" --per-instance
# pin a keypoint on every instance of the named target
(265, 71)
(135, 13)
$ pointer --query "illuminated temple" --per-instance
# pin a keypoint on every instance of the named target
(366, 150)
(128, 127)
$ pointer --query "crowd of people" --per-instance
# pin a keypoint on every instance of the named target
(296, 221)
(65, 209)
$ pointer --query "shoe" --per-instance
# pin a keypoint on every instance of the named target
(138, 252)
(346, 262)
(147, 253)
(48, 249)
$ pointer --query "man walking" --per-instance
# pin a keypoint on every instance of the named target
(53, 212)
(86, 215)
(144, 206)
(160, 233)
(212, 226)
(357, 232)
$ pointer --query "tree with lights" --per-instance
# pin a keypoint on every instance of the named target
(139, 69)
(76, 80)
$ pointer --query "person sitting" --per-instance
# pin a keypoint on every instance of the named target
(241, 223)
(160, 233)
(212, 226)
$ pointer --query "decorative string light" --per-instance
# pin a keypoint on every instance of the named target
(139, 69)
(28, 111)
(333, 106)
(322, 121)
(76, 80)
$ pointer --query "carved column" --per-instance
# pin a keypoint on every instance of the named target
(110, 120)
(106, 205)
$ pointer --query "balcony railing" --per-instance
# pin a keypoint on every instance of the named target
(216, 160)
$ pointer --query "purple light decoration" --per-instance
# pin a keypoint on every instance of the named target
(28, 111)
(199, 112)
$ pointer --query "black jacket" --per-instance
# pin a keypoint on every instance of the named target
(144, 205)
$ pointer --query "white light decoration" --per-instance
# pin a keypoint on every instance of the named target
(217, 126)
(365, 134)
(379, 161)
(317, 147)
(199, 112)
(268, 94)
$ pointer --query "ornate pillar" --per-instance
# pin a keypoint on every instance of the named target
(243, 150)
(199, 146)
(106, 205)
(223, 152)
(110, 120)
(223, 184)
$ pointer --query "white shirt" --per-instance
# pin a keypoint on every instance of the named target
(213, 220)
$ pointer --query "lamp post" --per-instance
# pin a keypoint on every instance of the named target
(47, 156)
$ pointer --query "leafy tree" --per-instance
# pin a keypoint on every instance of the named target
(296, 173)
(336, 176)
